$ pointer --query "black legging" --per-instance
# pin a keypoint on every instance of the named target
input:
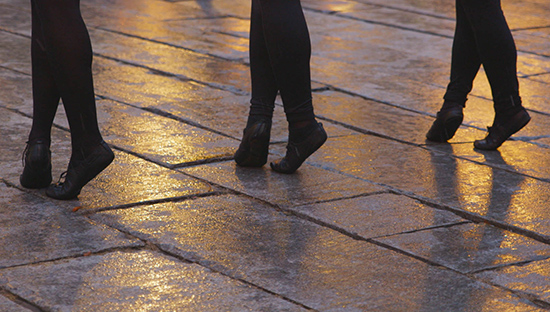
(61, 68)
(482, 36)
(280, 51)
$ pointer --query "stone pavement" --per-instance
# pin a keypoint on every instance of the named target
(377, 220)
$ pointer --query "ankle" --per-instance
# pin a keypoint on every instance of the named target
(298, 132)
(448, 105)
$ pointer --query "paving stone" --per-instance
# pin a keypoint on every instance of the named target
(35, 230)
(315, 266)
(158, 138)
(170, 59)
(378, 215)
(532, 278)
(132, 180)
(495, 193)
(16, 17)
(8, 305)
(16, 91)
(308, 185)
(127, 180)
(17, 57)
(515, 156)
(421, 22)
(224, 36)
(469, 247)
(215, 109)
(381, 118)
(130, 281)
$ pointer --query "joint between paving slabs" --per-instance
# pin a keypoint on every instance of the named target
(477, 218)
(19, 300)
(175, 199)
(220, 270)
(534, 299)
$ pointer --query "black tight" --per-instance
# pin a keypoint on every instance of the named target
(61, 69)
(482, 36)
(280, 51)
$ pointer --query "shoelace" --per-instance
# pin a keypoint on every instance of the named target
(62, 176)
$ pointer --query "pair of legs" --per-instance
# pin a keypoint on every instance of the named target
(61, 69)
(482, 37)
(280, 51)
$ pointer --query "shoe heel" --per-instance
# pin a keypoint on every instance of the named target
(451, 126)
(36, 179)
(254, 147)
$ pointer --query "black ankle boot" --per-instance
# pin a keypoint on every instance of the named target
(37, 170)
(446, 124)
(254, 146)
(297, 153)
(81, 172)
(500, 132)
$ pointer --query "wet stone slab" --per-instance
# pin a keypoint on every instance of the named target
(35, 230)
(308, 185)
(17, 57)
(380, 118)
(492, 192)
(532, 278)
(16, 17)
(173, 60)
(315, 266)
(215, 109)
(515, 156)
(224, 37)
(160, 139)
(8, 305)
(127, 180)
(131, 281)
(130, 179)
(378, 215)
(16, 91)
(469, 248)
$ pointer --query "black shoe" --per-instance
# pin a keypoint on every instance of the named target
(254, 146)
(37, 165)
(81, 172)
(297, 153)
(446, 124)
(501, 132)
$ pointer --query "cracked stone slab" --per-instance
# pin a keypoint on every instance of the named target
(35, 230)
(313, 265)
(378, 215)
(469, 248)
(531, 278)
(308, 185)
(131, 281)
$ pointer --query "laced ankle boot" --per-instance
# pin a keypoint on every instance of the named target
(37, 165)
(298, 152)
(80, 172)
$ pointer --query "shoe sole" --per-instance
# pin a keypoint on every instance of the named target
(522, 124)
